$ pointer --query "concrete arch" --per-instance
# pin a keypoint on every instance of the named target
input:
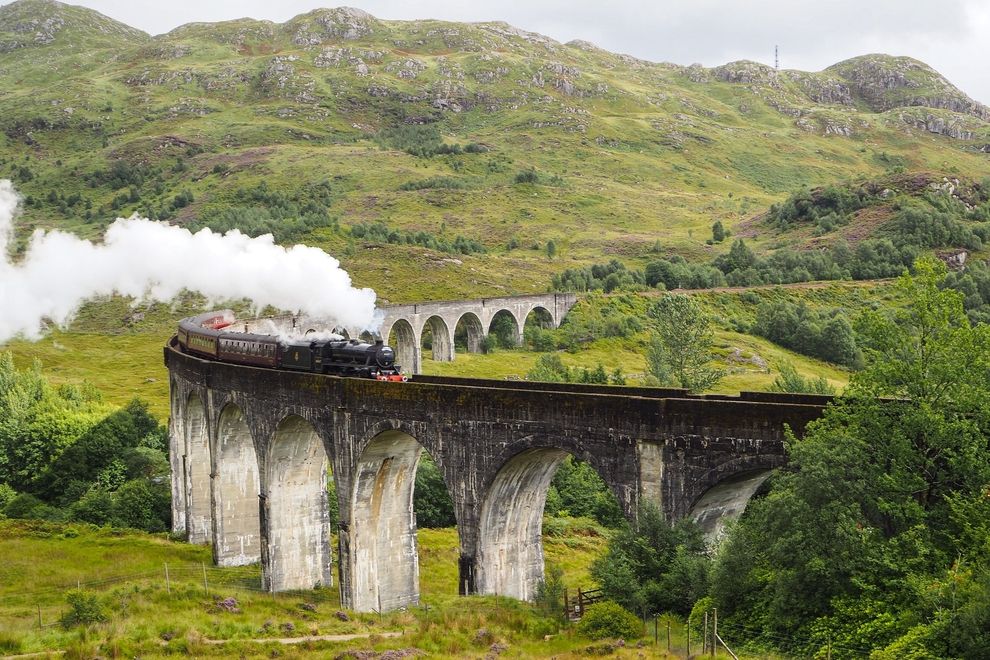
(408, 353)
(197, 469)
(517, 333)
(338, 330)
(236, 510)
(382, 553)
(367, 336)
(726, 501)
(178, 397)
(297, 538)
(510, 545)
(443, 338)
(474, 330)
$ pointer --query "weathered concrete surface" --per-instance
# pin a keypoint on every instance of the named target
(196, 463)
(725, 502)
(382, 531)
(295, 506)
(510, 545)
(237, 529)
(495, 443)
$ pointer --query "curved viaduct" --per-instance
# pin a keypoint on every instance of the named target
(442, 318)
(250, 449)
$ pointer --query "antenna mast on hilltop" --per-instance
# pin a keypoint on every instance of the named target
(776, 59)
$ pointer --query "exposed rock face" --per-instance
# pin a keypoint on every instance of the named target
(341, 23)
(942, 122)
(279, 72)
(885, 82)
(31, 23)
(747, 72)
(406, 69)
(821, 88)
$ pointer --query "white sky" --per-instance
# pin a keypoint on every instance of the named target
(953, 36)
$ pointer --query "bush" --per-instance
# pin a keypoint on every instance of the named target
(790, 380)
(527, 176)
(550, 590)
(549, 368)
(435, 182)
(488, 344)
(142, 504)
(608, 619)
(95, 507)
(6, 495)
(85, 608)
(25, 505)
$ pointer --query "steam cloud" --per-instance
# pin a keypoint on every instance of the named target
(151, 260)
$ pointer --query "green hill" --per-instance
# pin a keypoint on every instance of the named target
(436, 130)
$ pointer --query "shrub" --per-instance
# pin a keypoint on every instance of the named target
(549, 368)
(790, 380)
(6, 495)
(142, 504)
(539, 339)
(85, 608)
(550, 590)
(527, 176)
(435, 182)
(488, 344)
(718, 232)
(608, 619)
(25, 505)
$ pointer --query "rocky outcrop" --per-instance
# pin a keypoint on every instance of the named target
(883, 82)
(746, 72)
(407, 68)
(953, 125)
(38, 23)
(341, 23)
(821, 88)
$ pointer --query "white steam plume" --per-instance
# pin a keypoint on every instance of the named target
(155, 261)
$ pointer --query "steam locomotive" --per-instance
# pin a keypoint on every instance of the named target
(204, 335)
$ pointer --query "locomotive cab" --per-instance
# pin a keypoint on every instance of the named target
(300, 355)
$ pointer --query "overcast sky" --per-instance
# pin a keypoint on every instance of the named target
(953, 36)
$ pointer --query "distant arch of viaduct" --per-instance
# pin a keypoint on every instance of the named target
(442, 318)
(250, 449)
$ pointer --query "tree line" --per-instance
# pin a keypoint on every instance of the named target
(65, 455)
(873, 540)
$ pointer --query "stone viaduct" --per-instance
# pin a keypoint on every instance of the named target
(407, 323)
(251, 448)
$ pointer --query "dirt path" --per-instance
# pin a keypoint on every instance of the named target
(262, 640)
(307, 638)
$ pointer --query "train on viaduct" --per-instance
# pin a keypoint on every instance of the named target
(251, 449)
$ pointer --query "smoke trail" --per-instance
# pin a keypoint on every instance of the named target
(155, 261)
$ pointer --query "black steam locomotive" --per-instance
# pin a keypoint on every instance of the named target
(205, 335)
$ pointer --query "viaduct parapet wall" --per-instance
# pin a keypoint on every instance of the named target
(251, 447)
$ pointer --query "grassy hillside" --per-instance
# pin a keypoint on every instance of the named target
(343, 120)
(126, 572)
